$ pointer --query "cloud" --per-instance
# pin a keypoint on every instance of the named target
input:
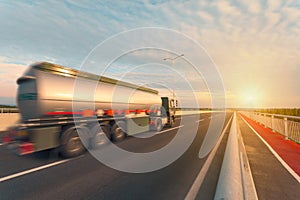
(3, 59)
(250, 41)
(274, 5)
(292, 14)
(205, 16)
(254, 6)
(9, 73)
(272, 20)
(51, 30)
(226, 8)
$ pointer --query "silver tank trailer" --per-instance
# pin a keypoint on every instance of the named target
(47, 87)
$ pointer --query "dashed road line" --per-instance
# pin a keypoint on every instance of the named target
(170, 129)
(12, 176)
(200, 177)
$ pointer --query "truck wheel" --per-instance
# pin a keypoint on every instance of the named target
(118, 131)
(158, 125)
(171, 122)
(100, 136)
(71, 144)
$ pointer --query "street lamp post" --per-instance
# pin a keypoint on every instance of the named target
(173, 59)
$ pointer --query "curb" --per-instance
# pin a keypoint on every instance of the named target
(235, 180)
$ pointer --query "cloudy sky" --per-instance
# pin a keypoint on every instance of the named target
(255, 45)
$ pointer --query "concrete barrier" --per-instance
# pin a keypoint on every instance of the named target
(235, 180)
(8, 119)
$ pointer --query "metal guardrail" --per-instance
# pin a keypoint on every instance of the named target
(288, 126)
(9, 110)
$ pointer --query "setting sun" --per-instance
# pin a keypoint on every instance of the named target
(250, 98)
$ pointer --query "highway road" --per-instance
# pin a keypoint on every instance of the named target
(45, 175)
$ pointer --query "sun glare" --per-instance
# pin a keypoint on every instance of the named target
(250, 98)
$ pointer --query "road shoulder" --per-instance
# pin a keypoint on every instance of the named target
(271, 179)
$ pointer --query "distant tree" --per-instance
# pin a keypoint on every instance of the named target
(280, 111)
(7, 106)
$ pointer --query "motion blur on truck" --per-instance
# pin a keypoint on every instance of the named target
(58, 111)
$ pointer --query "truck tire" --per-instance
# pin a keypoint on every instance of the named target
(171, 122)
(118, 131)
(100, 136)
(158, 124)
(71, 144)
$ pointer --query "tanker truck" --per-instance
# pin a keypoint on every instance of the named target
(70, 110)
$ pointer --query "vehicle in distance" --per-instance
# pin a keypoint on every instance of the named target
(72, 110)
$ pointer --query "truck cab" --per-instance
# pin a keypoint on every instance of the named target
(169, 105)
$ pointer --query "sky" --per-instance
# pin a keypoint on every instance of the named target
(254, 45)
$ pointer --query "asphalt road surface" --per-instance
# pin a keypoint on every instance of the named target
(45, 175)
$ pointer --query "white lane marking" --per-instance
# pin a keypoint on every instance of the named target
(200, 120)
(169, 130)
(199, 179)
(33, 170)
(187, 116)
(284, 164)
(183, 117)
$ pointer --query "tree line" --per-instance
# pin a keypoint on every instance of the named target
(281, 111)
